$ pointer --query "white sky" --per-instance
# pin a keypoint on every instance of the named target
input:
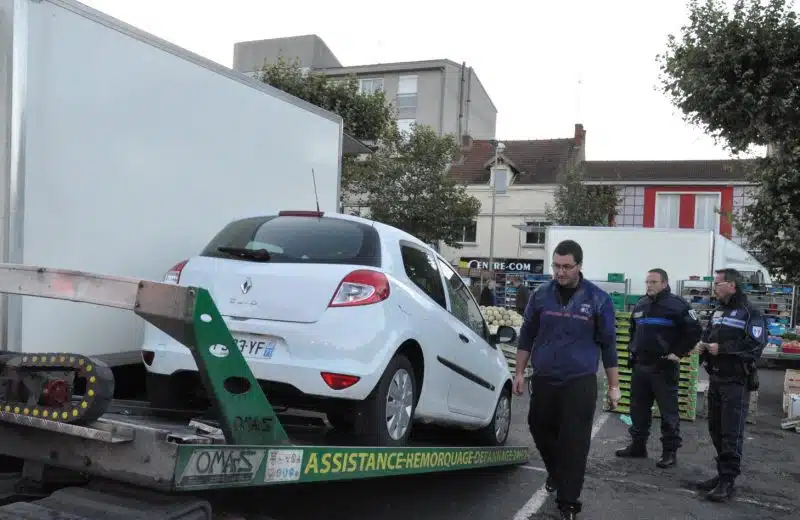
(529, 55)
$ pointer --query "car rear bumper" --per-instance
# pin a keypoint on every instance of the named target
(291, 357)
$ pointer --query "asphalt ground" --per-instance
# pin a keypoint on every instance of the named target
(615, 489)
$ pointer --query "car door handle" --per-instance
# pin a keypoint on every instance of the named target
(463, 338)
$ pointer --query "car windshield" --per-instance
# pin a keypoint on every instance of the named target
(297, 239)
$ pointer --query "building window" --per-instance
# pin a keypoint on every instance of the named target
(535, 233)
(706, 211)
(469, 235)
(742, 197)
(407, 97)
(668, 207)
(370, 85)
(630, 210)
(404, 125)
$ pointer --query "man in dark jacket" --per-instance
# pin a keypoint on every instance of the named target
(568, 326)
(663, 329)
(732, 343)
(522, 296)
(488, 297)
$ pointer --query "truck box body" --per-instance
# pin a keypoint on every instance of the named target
(126, 154)
(682, 253)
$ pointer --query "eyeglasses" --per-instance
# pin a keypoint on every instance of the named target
(558, 267)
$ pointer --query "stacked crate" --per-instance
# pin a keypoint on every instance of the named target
(687, 387)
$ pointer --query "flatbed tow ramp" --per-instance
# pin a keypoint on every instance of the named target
(131, 464)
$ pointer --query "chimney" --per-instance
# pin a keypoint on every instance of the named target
(466, 142)
(580, 134)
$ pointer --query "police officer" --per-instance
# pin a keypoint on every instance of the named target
(568, 328)
(663, 328)
(732, 342)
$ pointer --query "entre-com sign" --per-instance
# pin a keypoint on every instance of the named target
(524, 265)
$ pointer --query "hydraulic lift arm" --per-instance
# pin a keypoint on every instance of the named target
(188, 314)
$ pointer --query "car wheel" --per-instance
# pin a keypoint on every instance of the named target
(389, 411)
(496, 432)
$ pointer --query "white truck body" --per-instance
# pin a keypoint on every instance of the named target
(682, 253)
(125, 154)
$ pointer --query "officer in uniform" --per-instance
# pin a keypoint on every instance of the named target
(732, 342)
(663, 329)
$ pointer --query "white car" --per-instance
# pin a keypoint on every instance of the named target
(348, 317)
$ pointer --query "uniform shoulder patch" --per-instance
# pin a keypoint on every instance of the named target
(693, 314)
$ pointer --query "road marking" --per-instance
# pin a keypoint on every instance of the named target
(743, 500)
(538, 499)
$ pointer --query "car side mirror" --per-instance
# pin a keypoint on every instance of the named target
(505, 334)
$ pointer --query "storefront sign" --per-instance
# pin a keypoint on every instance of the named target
(525, 265)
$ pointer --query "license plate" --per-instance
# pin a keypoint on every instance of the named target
(262, 348)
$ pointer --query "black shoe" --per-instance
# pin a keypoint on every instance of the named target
(550, 484)
(708, 485)
(668, 459)
(633, 451)
(722, 492)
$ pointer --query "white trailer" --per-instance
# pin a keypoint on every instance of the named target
(125, 154)
(682, 253)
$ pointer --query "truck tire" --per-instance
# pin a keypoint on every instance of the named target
(496, 432)
(386, 416)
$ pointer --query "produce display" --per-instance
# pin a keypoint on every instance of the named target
(497, 316)
(790, 342)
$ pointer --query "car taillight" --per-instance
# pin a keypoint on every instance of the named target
(339, 381)
(174, 273)
(362, 287)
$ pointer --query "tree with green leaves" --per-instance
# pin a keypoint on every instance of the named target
(403, 183)
(578, 204)
(733, 72)
(367, 117)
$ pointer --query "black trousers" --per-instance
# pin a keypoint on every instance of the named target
(728, 404)
(659, 383)
(560, 419)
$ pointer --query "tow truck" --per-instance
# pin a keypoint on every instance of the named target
(87, 456)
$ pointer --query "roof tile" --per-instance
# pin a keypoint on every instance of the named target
(538, 161)
(724, 170)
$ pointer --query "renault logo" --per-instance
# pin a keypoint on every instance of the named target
(247, 285)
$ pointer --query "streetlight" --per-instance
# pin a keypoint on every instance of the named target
(498, 150)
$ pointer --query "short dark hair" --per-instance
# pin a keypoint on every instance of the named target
(731, 275)
(569, 247)
(662, 273)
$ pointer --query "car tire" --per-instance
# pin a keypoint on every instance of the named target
(386, 417)
(496, 432)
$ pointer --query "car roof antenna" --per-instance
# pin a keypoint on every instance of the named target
(314, 180)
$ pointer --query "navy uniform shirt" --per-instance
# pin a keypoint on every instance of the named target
(661, 325)
(741, 332)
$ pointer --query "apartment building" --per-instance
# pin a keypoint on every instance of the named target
(441, 94)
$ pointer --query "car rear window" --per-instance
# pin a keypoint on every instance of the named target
(301, 239)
